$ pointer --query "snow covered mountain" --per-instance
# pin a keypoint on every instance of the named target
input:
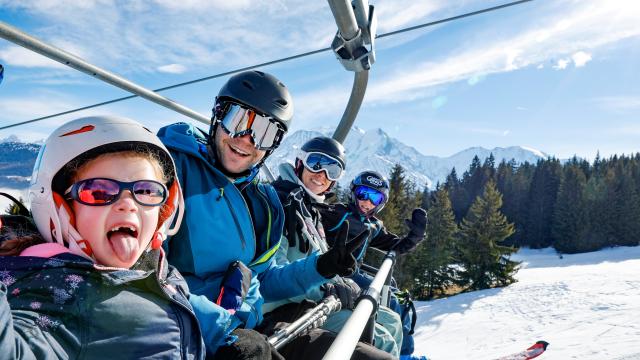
(16, 162)
(376, 150)
(372, 149)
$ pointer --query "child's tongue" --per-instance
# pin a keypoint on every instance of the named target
(124, 245)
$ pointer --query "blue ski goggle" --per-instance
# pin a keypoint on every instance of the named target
(237, 120)
(367, 193)
(316, 162)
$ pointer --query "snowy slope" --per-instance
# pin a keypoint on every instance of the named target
(376, 150)
(587, 306)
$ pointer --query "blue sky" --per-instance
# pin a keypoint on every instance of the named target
(560, 76)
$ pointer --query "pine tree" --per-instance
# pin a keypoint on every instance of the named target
(395, 210)
(484, 260)
(626, 207)
(541, 202)
(571, 220)
(13, 209)
(432, 259)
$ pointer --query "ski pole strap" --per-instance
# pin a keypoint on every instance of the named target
(414, 317)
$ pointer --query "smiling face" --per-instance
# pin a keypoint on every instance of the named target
(120, 232)
(238, 154)
(316, 182)
(365, 206)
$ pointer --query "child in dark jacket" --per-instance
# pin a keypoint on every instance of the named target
(90, 281)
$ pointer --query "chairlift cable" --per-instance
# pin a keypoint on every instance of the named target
(272, 62)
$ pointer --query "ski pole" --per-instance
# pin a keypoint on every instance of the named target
(345, 343)
(311, 320)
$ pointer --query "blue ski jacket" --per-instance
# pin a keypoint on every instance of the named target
(223, 224)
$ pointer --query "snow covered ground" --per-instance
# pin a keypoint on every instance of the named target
(587, 306)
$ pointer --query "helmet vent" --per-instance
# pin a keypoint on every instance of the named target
(259, 72)
(281, 84)
(248, 84)
(281, 102)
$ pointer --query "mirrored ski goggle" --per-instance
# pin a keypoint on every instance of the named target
(316, 162)
(367, 193)
(265, 132)
(102, 192)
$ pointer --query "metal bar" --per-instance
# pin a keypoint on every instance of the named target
(345, 18)
(345, 343)
(25, 40)
(360, 81)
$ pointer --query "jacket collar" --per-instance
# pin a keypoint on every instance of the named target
(287, 172)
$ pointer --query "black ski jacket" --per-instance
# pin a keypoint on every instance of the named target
(333, 216)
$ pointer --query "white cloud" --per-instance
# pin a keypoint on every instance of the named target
(580, 58)
(19, 56)
(555, 33)
(561, 64)
(138, 37)
(393, 15)
(172, 68)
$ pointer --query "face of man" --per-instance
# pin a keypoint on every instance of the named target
(236, 155)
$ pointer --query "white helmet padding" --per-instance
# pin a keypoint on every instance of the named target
(81, 140)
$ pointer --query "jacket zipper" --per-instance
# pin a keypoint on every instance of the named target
(235, 218)
(162, 283)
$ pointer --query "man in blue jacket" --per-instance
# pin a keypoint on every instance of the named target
(233, 223)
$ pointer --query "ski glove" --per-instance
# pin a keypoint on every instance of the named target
(339, 260)
(347, 291)
(417, 227)
(418, 223)
(234, 287)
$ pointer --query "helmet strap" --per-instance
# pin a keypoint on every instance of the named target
(69, 234)
(156, 241)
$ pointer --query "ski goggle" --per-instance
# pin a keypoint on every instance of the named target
(238, 120)
(102, 192)
(367, 193)
(316, 162)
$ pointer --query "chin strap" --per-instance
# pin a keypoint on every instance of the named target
(68, 235)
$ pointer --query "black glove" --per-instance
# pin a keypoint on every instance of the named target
(347, 291)
(339, 260)
(418, 223)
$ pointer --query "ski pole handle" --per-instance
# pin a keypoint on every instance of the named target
(311, 320)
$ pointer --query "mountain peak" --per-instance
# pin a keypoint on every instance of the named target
(375, 150)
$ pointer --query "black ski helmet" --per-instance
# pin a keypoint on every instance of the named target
(374, 180)
(260, 91)
(324, 145)
(328, 146)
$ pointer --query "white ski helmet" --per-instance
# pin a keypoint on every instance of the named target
(82, 140)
